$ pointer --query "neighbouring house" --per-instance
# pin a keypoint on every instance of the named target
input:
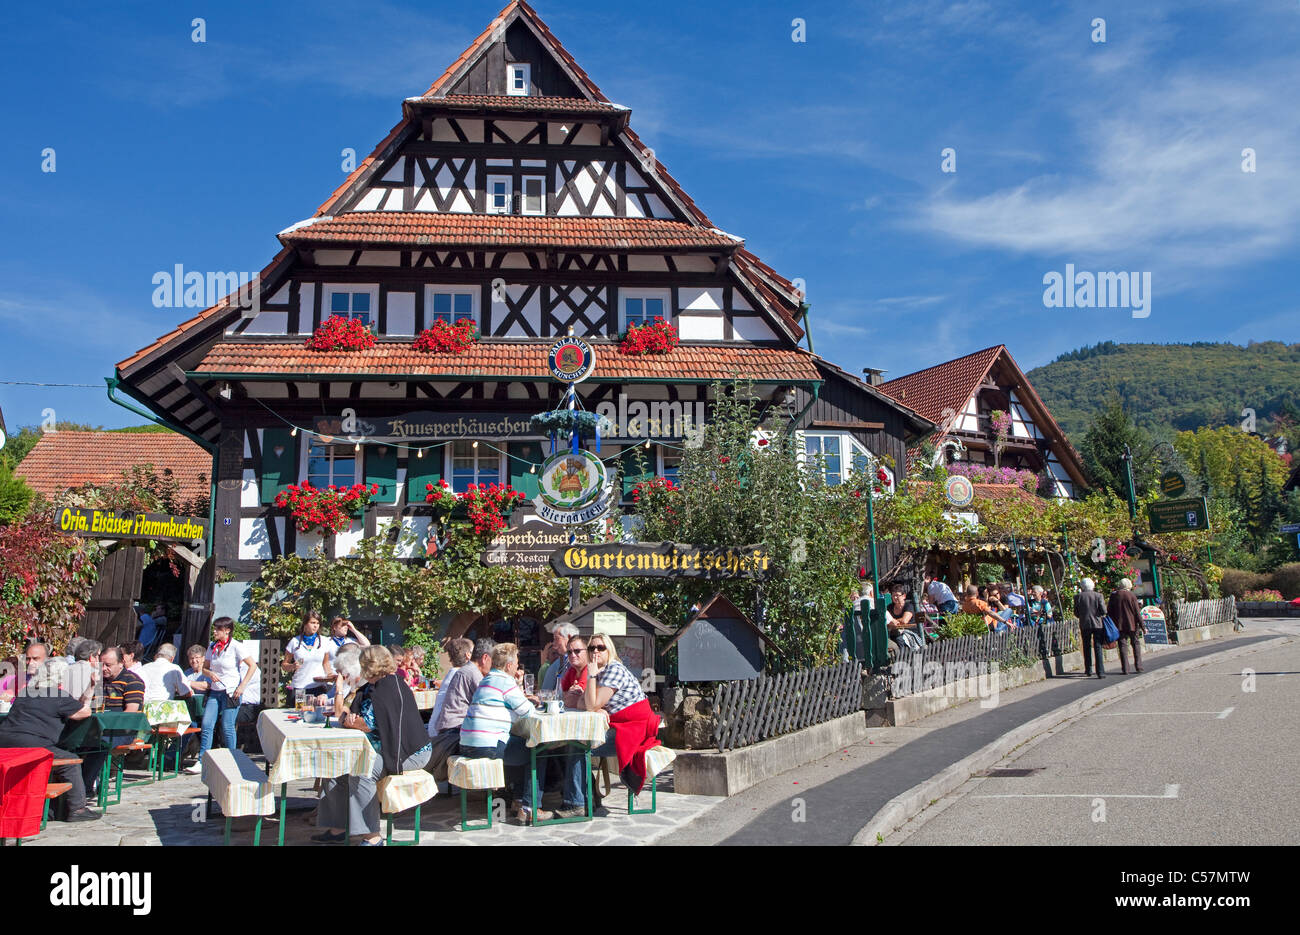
(61, 460)
(961, 396)
(513, 193)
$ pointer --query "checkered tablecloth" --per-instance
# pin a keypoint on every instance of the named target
(168, 714)
(587, 727)
(303, 751)
(425, 698)
(237, 785)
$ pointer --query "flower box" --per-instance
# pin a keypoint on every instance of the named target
(337, 333)
(447, 338)
(657, 337)
(330, 510)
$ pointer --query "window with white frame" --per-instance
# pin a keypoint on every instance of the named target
(331, 464)
(533, 196)
(642, 308)
(841, 454)
(473, 463)
(499, 191)
(518, 79)
(670, 463)
(352, 302)
(449, 304)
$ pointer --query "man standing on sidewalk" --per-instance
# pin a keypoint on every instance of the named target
(1090, 608)
(1124, 609)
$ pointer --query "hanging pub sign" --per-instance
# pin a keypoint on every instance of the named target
(105, 524)
(1172, 484)
(1190, 515)
(573, 488)
(661, 560)
(571, 360)
(527, 544)
(959, 490)
(426, 426)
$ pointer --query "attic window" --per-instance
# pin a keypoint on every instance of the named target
(518, 79)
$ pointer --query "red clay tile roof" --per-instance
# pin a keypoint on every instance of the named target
(65, 459)
(944, 386)
(427, 228)
(540, 103)
(514, 360)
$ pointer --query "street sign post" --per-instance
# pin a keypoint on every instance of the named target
(1189, 515)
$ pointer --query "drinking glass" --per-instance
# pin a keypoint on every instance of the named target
(530, 682)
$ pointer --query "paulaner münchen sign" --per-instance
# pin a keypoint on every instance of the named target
(661, 560)
(83, 521)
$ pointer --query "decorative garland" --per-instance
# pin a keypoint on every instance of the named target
(330, 510)
(570, 420)
(446, 338)
(338, 333)
(657, 337)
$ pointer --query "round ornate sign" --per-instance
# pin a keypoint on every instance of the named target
(959, 490)
(1173, 484)
(571, 360)
(570, 481)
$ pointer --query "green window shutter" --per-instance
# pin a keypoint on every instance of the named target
(279, 462)
(629, 461)
(422, 471)
(520, 477)
(381, 470)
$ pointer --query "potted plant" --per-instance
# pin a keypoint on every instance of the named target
(331, 509)
(656, 337)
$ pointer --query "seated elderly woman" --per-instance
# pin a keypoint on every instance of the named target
(385, 711)
(347, 677)
(39, 713)
(497, 704)
(615, 690)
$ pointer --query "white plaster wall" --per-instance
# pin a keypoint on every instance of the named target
(401, 313)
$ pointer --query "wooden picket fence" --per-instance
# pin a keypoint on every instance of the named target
(917, 670)
(751, 710)
(1188, 614)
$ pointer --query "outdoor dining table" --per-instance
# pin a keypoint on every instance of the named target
(552, 735)
(297, 750)
(426, 698)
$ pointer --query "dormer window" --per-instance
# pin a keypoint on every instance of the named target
(533, 199)
(518, 79)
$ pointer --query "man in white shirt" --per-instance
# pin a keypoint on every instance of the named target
(164, 680)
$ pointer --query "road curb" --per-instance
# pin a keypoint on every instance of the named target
(907, 805)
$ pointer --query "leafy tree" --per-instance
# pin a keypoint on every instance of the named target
(1103, 446)
(15, 495)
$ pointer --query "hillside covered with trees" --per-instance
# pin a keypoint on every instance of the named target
(1176, 387)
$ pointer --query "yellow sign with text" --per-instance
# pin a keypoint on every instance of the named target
(105, 524)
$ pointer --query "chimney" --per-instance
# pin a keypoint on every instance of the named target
(873, 376)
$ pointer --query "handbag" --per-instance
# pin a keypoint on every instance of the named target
(1111, 631)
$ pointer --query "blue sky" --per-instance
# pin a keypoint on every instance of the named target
(825, 155)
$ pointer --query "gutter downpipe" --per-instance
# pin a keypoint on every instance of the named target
(113, 383)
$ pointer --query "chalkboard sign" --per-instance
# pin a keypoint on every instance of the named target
(719, 644)
(1153, 622)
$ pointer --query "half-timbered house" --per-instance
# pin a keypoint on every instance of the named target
(512, 192)
(961, 396)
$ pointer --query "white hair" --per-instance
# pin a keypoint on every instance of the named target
(1088, 584)
(348, 665)
(1125, 584)
(566, 630)
(167, 651)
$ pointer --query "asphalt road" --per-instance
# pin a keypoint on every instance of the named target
(1195, 760)
(828, 802)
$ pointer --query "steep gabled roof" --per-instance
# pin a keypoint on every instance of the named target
(767, 290)
(947, 387)
(64, 459)
(943, 387)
